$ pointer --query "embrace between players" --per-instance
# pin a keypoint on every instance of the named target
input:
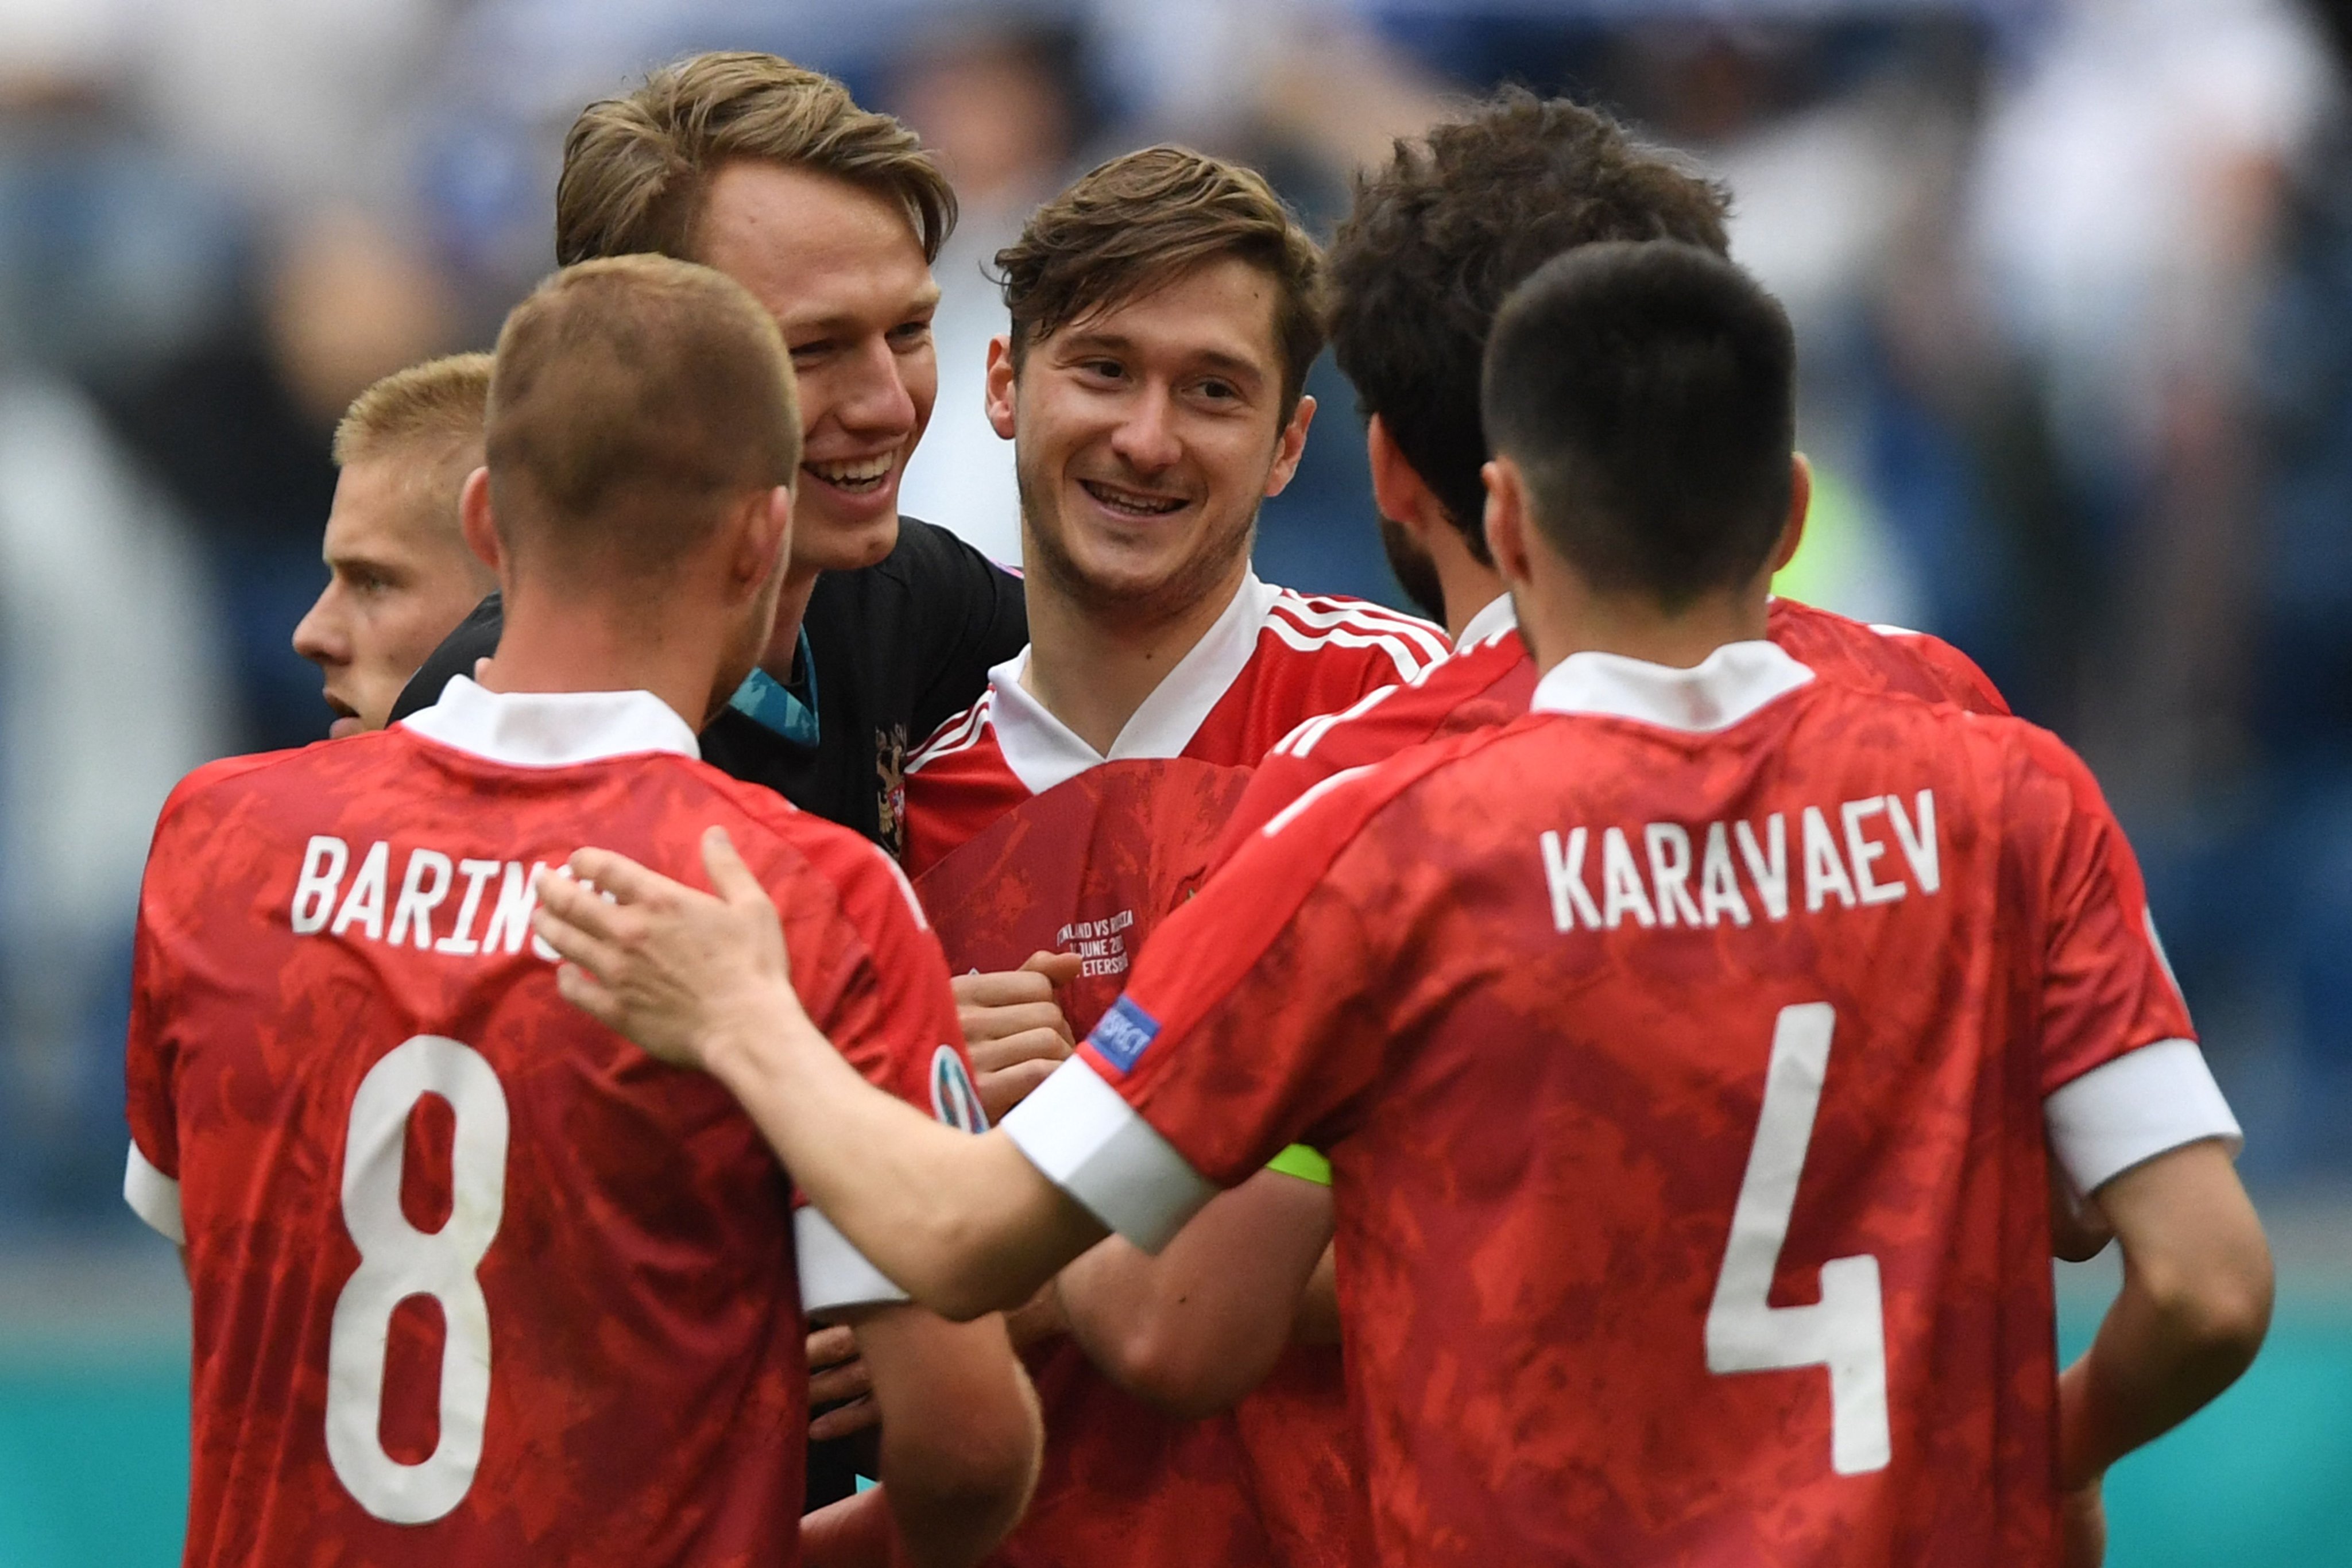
(1606, 1094)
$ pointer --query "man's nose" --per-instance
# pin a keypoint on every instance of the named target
(319, 636)
(875, 400)
(1146, 437)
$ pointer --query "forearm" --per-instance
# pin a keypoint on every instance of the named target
(2194, 1307)
(2150, 1368)
(1199, 1325)
(960, 1433)
(964, 1225)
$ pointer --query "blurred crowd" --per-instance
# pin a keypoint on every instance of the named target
(2073, 281)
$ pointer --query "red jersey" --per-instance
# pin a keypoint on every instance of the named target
(1490, 678)
(1024, 838)
(476, 1280)
(1685, 1052)
(1271, 659)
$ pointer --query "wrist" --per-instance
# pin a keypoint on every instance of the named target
(744, 1039)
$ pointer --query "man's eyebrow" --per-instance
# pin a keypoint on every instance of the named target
(1240, 367)
(836, 324)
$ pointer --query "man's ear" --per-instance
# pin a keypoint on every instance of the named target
(1399, 492)
(475, 521)
(1290, 448)
(1800, 503)
(998, 403)
(1507, 521)
(765, 540)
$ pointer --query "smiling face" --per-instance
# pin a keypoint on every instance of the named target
(1147, 433)
(842, 270)
(401, 579)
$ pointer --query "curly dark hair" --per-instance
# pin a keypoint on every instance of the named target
(1146, 218)
(1438, 238)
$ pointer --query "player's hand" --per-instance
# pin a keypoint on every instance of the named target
(1013, 1029)
(1041, 1317)
(2082, 1526)
(837, 1373)
(665, 964)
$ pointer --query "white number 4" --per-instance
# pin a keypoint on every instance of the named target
(1845, 1330)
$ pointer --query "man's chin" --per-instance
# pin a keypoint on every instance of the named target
(830, 546)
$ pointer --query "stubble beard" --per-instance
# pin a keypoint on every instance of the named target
(1170, 598)
(1416, 570)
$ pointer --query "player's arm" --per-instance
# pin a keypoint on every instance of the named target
(2194, 1307)
(959, 1445)
(965, 1225)
(1200, 1325)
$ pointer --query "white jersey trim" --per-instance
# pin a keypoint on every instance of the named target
(2127, 1112)
(553, 729)
(1500, 615)
(1727, 686)
(960, 733)
(1088, 1142)
(153, 1197)
(1042, 751)
(1410, 644)
(834, 1274)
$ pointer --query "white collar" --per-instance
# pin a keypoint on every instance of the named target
(1042, 751)
(1500, 615)
(552, 729)
(1728, 685)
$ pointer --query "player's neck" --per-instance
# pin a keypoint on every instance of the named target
(556, 643)
(791, 608)
(1092, 666)
(1633, 627)
(1469, 588)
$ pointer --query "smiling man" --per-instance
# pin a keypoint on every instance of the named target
(831, 215)
(1164, 310)
(400, 576)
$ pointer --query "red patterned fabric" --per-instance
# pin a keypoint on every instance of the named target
(1540, 1105)
(604, 1241)
(1489, 682)
(1004, 871)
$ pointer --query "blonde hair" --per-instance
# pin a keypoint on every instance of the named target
(431, 416)
(634, 398)
(636, 168)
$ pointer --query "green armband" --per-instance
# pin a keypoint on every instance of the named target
(1304, 1163)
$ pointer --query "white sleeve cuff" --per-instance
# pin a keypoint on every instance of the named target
(153, 1197)
(2124, 1112)
(834, 1274)
(1090, 1143)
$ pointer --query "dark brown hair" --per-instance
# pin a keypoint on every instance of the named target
(1143, 220)
(634, 397)
(1441, 235)
(636, 168)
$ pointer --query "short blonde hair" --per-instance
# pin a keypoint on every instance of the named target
(430, 416)
(636, 168)
(633, 399)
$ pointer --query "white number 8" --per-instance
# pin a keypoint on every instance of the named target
(397, 1261)
(1845, 1330)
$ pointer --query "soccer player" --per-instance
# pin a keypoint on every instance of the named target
(1685, 1048)
(400, 576)
(1428, 251)
(1164, 311)
(1430, 246)
(475, 1282)
(831, 215)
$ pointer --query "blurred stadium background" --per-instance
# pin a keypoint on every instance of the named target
(2072, 279)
